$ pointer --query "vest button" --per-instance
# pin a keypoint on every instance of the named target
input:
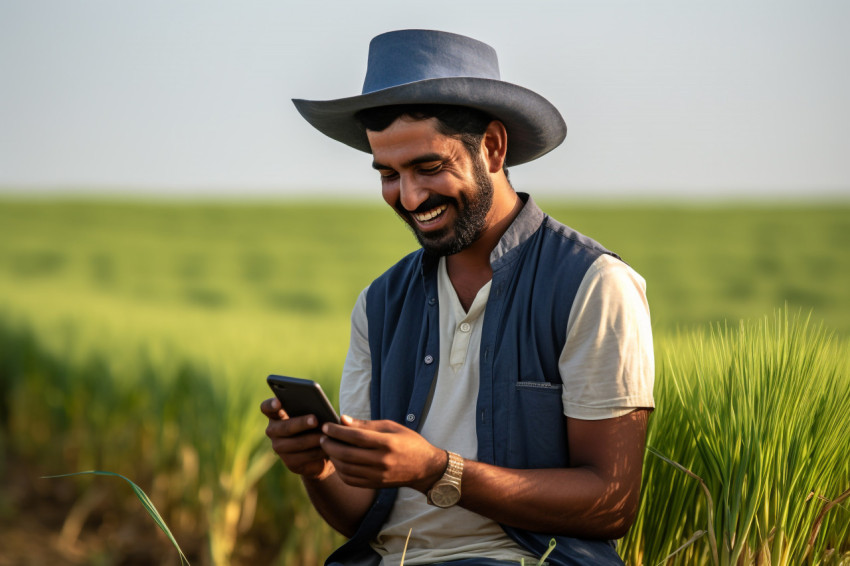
(411, 417)
(464, 327)
(429, 359)
(432, 301)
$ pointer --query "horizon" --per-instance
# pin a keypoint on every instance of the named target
(661, 99)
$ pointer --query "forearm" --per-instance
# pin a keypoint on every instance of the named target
(576, 502)
(597, 497)
(342, 506)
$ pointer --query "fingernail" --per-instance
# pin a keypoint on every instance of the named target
(325, 428)
(311, 421)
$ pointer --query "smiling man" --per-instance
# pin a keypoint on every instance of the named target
(498, 381)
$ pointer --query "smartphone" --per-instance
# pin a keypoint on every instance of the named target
(301, 397)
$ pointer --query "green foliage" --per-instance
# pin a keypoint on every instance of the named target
(146, 503)
(711, 264)
(136, 338)
(758, 416)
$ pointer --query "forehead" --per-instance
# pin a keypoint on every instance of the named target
(407, 138)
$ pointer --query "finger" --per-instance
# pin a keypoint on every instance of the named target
(376, 426)
(349, 453)
(356, 476)
(366, 434)
(288, 427)
(310, 462)
(352, 436)
(272, 409)
(299, 457)
(297, 443)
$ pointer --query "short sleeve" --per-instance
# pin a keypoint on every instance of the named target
(607, 364)
(354, 397)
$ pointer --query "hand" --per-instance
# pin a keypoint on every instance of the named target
(296, 441)
(378, 454)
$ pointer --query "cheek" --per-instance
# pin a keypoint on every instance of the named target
(390, 193)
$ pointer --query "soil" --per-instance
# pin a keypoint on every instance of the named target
(33, 511)
(116, 530)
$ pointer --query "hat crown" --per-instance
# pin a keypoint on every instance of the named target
(407, 56)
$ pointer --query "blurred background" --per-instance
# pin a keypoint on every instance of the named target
(171, 230)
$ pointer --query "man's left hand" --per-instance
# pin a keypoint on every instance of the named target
(379, 454)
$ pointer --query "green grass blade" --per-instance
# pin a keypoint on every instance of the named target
(404, 552)
(546, 554)
(709, 508)
(143, 497)
(687, 543)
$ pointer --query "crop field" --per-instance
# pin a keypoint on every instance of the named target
(135, 338)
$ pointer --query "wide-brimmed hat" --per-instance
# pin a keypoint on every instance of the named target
(435, 67)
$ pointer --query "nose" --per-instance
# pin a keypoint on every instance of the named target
(412, 192)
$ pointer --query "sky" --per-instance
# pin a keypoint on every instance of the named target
(661, 98)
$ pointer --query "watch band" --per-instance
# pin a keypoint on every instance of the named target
(446, 491)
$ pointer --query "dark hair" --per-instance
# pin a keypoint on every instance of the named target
(462, 122)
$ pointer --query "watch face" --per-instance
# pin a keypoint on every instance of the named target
(445, 495)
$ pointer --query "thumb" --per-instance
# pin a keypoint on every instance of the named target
(378, 426)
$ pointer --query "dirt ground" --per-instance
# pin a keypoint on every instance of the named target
(94, 521)
(33, 512)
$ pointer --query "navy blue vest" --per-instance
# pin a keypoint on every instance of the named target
(537, 268)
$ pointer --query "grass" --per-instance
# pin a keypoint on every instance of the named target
(758, 415)
(136, 338)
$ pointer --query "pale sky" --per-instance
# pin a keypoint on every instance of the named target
(669, 98)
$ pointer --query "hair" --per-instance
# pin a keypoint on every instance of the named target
(462, 122)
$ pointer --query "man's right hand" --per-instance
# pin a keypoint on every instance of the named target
(296, 441)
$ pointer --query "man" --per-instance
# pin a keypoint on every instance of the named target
(498, 381)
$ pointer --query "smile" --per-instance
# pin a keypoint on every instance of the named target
(429, 215)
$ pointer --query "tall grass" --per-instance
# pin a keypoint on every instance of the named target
(191, 436)
(761, 414)
(136, 339)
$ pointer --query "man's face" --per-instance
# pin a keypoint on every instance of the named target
(441, 191)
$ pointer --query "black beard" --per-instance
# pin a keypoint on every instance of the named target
(471, 217)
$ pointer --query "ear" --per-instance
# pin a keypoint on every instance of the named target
(494, 146)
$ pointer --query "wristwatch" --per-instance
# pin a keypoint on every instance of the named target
(446, 491)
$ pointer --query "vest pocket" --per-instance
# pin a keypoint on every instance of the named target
(539, 385)
(538, 435)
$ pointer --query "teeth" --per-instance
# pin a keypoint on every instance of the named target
(431, 214)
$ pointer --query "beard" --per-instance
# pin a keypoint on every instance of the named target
(471, 216)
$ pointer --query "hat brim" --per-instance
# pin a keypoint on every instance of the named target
(534, 125)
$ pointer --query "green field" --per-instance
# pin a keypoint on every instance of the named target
(134, 337)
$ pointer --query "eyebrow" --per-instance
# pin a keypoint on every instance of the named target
(427, 158)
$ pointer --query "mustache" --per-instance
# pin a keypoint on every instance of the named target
(430, 203)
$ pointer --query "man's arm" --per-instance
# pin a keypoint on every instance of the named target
(297, 442)
(596, 497)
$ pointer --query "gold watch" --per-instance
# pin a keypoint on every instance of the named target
(446, 491)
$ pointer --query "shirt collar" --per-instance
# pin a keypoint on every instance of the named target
(525, 224)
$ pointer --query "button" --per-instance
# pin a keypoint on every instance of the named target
(411, 417)
(464, 327)
(432, 301)
(429, 359)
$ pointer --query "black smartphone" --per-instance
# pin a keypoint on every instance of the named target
(301, 397)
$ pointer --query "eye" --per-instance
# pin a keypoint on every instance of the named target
(387, 174)
(431, 169)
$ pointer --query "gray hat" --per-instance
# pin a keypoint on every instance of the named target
(435, 67)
